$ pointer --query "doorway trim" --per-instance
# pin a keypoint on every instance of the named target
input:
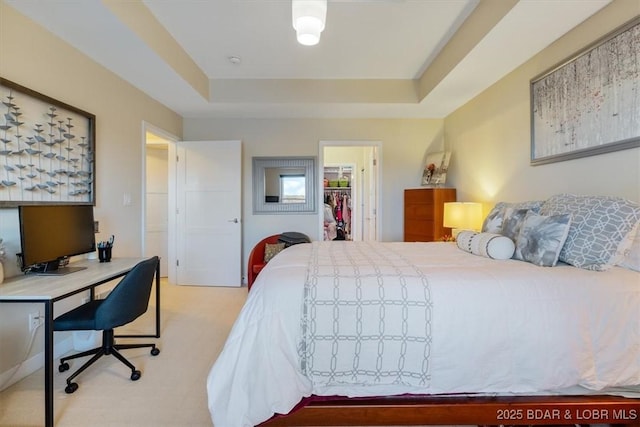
(378, 181)
(171, 140)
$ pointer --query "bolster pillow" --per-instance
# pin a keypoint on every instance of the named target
(489, 245)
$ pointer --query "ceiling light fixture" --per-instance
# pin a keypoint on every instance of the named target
(308, 20)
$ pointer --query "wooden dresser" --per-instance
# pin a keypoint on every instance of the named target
(423, 212)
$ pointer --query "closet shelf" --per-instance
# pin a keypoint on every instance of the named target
(336, 188)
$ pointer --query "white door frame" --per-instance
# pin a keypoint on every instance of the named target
(171, 139)
(378, 179)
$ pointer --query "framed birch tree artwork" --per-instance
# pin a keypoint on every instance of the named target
(47, 149)
(589, 104)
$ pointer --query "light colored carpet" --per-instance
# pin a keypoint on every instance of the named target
(171, 392)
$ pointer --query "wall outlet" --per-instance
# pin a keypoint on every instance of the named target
(35, 320)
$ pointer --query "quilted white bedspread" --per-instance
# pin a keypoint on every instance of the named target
(366, 317)
(495, 327)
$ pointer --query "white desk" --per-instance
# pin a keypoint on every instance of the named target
(49, 289)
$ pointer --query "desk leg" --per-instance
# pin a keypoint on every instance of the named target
(48, 363)
(158, 300)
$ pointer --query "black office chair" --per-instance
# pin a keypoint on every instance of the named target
(126, 302)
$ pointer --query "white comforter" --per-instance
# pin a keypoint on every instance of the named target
(496, 327)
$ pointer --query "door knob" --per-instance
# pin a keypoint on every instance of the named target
(235, 220)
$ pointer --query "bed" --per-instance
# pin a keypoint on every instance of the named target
(390, 333)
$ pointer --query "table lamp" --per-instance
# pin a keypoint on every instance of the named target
(462, 216)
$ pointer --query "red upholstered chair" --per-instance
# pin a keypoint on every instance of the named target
(256, 258)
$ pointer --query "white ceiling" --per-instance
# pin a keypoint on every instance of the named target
(371, 61)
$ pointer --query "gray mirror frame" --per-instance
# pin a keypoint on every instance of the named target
(259, 166)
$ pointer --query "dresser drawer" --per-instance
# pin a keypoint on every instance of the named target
(418, 196)
(423, 213)
(419, 211)
(418, 226)
(410, 237)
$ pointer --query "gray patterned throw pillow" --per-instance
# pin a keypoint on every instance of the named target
(541, 238)
(494, 220)
(598, 225)
(513, 219)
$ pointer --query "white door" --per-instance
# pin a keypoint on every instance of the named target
(370, 194)
(208, 229)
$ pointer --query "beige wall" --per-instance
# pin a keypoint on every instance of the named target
(34, 58)
(490, 135)
(404, 146)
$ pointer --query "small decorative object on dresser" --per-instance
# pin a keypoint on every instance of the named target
(435, 169)
(423, 213)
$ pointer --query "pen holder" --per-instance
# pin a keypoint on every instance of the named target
(104, 254)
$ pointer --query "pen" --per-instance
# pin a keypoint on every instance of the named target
(106, 243)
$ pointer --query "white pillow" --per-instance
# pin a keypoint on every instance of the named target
(631, 253)
(489, 245)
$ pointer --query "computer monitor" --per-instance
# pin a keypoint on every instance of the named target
(50, 234)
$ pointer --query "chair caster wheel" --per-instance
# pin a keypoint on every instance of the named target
(70, 388)
(135, 375)
(155, 351)
(63, 367)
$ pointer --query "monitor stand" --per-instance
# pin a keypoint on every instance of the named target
(53, 268)
(60, 271)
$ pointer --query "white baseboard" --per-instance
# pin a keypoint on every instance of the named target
(32, 364)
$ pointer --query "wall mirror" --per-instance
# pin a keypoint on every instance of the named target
(284, 185)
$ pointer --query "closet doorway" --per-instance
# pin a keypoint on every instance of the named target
(349, 174)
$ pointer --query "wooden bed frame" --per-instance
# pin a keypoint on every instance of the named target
(425, 410)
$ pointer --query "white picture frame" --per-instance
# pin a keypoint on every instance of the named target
(435, 169)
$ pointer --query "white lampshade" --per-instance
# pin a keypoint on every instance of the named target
(308, 18)
(463, 215)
